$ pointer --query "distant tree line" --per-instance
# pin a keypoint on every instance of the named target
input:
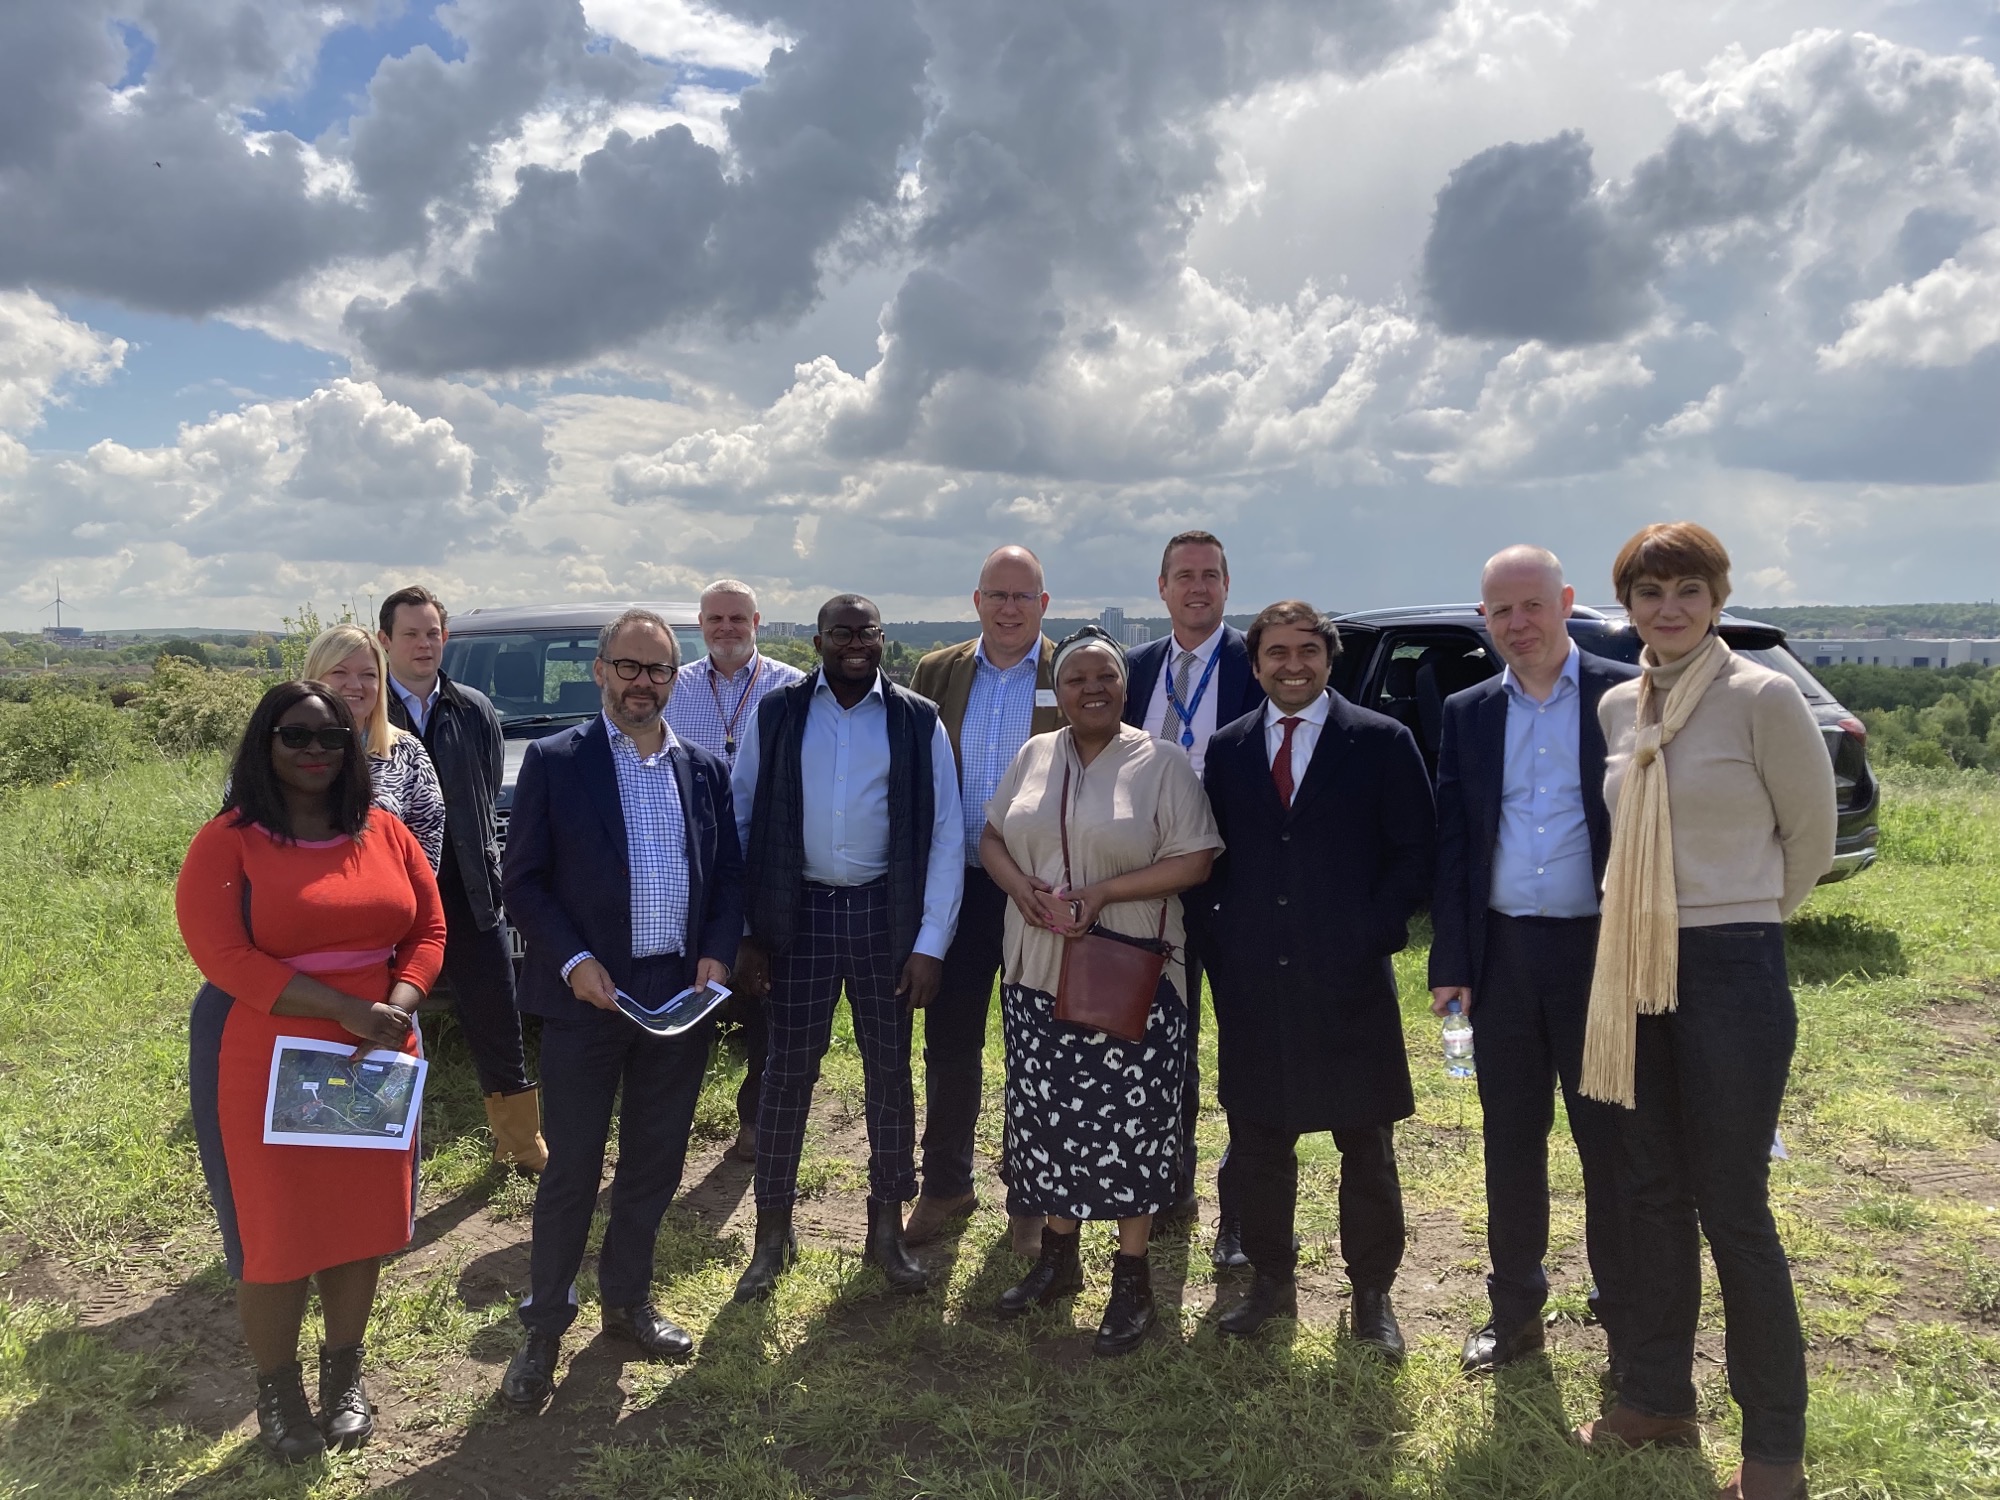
(1947, 718)
(1840, 621)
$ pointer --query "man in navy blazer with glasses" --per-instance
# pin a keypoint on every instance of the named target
(1182, 689)
(623, 872)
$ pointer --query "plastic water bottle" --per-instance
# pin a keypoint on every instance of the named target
(1457, 1042)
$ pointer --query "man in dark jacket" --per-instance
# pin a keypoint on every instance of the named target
(462, 733)
(1326, 815)
(1523, 835)
(623, 873)
(847, 806)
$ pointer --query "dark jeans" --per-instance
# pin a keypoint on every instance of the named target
(1697, 1151)
(1260, 1177)
(1528, 1019)
(480, 971)
(586, 1061)
(955, 1038)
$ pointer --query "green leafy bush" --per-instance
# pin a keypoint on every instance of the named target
(57, 737)
(188, 708)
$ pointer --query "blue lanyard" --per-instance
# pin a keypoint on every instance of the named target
(1186, 715)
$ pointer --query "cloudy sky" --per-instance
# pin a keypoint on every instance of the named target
(533, 299)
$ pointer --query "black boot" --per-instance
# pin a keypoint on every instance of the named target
(1373, 1323)
(284, 1421)
(1056, 1274)
(887, 1250)
(777, 1247)
(531, 1374)
(1270, 1296)
(1128, 1316)
(345, 1415)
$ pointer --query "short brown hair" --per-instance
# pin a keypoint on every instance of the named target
(416, 593)
(1194, 539)
(1294, 612)
(1672, 549)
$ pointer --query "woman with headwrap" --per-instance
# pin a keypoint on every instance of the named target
(1093, 1121)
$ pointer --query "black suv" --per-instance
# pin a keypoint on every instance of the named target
(1406, 662)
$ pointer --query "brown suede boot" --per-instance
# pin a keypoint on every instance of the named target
(516, 1123)
(1622, 1427)
(1024, 1235)
(933, 1216)
(1754, 1480)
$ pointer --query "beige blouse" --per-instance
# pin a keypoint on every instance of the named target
(1138, 803)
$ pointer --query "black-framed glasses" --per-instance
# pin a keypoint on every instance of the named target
(628, 670)
(298, 736)
(847, 635)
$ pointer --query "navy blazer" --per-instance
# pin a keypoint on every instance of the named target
(1301, 913)
(1471, 770)
(567, 876)
(1235, 687)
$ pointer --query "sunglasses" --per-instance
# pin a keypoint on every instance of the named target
(298, 736)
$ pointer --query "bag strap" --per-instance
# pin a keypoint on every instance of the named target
(1062, 822)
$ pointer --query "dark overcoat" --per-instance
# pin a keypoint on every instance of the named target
(1299, 919)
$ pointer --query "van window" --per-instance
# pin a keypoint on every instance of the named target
(537, 676)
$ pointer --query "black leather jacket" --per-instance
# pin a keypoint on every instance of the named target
(464, 740)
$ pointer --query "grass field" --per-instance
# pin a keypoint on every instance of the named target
(121, 1373)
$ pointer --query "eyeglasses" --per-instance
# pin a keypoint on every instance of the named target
(996, 598)
(298, 736)
(843, 635)
(628, 670)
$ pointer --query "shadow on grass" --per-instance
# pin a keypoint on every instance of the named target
(1826, 946)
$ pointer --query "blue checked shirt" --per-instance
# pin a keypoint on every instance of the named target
(1541, 862)
(655, 844)
(999, 715)
(704, 701)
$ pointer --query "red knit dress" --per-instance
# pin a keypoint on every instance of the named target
(356, 914)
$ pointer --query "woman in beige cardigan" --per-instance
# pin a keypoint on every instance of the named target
(1722, 803)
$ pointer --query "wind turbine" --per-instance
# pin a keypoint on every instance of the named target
(56, 604)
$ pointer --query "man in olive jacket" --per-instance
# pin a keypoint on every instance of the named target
(1326, 813)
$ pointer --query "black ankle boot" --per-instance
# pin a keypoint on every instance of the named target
(345, 1415)
(284, 1421)
(1128, 1317)
(776, 1249)
(1057, 1273)
(887, 1250)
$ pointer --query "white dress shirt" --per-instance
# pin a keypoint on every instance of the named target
(1162, 722)
(1312, 719)
(419, 708)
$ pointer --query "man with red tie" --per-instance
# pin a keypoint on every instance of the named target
(1326, 815)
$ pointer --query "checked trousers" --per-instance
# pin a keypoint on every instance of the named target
(842, 940)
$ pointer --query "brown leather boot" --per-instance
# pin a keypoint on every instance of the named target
(1622, 1427)
(1755, 1480)
(933, 1216)
(516, 1123)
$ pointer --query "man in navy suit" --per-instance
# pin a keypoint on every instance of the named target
(1522, 839)
(1182, 689)
(623, 872)
(1327, 826)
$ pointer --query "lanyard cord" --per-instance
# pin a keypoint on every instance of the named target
(1186, 715)
(729, 726)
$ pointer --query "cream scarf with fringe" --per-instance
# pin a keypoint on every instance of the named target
(1638, 947)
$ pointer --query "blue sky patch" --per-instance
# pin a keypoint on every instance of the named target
(138, 53)
(347, 61)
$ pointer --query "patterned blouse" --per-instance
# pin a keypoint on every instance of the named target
(406, 784)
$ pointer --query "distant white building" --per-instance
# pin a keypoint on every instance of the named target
(1897, 651)
(1112, 622)
(784, 630)
(1135, 635)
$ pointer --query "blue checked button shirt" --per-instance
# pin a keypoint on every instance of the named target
(703, 699)
(999, 713)
(1541, 863)
(655, 845)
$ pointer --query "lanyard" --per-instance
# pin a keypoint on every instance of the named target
(729, 725)
(1186, 715)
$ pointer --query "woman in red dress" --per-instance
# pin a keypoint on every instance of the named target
(311, 915)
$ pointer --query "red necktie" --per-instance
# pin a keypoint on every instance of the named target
(1281, 764)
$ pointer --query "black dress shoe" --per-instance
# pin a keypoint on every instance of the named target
(285, 1423)
(776, 1248)
(657, 1337)
(345, 1414)
(531, 1374)
(1269, 1297)
(1128, 1316)
(1056, 1273)
(886, 1249)
(1373, 1322)
(1488, 1349)
(1227, 1253)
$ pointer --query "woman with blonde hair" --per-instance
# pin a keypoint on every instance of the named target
(350, 661)
(1722, 820)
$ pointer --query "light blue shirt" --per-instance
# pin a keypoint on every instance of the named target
(420, 708)
(999, 716)
(1541, 865)
(649, 794)
(712, 710)
(845, 775)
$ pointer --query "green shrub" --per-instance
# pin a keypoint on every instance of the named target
(57, 737)
(188, 708)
